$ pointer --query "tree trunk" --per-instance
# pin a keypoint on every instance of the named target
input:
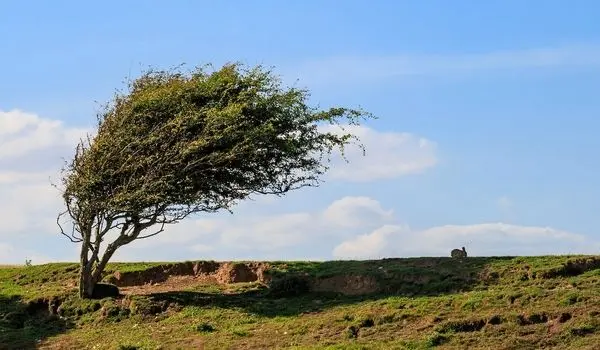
(86, 287)
(86, 283)
(89, 274)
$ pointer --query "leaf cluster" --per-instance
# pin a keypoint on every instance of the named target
(178, 142)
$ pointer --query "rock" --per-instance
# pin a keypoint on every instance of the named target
(104, 290)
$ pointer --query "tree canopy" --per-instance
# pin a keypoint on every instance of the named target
(177, 143)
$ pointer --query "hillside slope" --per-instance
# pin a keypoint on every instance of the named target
(475, 303)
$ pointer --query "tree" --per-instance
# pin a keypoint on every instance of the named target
(178, 143)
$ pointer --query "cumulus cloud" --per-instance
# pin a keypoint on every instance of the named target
(355, 212)
(284, 235)
(22, 133)
(32, 149)
(31, 152)
(486, 239)
(387, 155)
(351, 228)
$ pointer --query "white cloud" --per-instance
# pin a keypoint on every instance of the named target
(30, 158)
(388, 155)
(352, 228)
(371, 245)
(31, 148)
(22, 133)
(29, 207)
(286, 236)
(345, 69)
(355, 212)
(479, 239)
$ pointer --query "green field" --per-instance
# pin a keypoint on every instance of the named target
(550, 302)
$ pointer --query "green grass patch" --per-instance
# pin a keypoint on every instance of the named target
(420, 303)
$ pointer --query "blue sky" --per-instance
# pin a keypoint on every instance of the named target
(504, 92)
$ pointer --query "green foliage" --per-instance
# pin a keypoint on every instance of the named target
(571, 299)
(143, 306)
(113, 311)
(178, 143)
(437, 339)
(202, 141)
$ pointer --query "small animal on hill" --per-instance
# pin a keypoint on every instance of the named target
(457, 253)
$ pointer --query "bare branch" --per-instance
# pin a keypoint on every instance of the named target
(162, 228)
(62, 231)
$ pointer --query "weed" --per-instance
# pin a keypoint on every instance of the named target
(436, 339)
(240, 333)
(571, 299)
(352, 332)
(205, 328)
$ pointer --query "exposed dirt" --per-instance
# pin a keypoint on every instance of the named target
(172, 284)
(348, 285)
(238, 273)
(182, 276)
(172, 277)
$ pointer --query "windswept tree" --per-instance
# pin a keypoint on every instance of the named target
(178, 143)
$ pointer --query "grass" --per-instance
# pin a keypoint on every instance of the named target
(421, 303)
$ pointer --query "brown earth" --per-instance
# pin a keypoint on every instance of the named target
(180, 276)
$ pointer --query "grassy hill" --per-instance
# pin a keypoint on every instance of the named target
(421, 303)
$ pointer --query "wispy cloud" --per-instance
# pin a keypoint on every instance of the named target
(388, 155)
(344, 69)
